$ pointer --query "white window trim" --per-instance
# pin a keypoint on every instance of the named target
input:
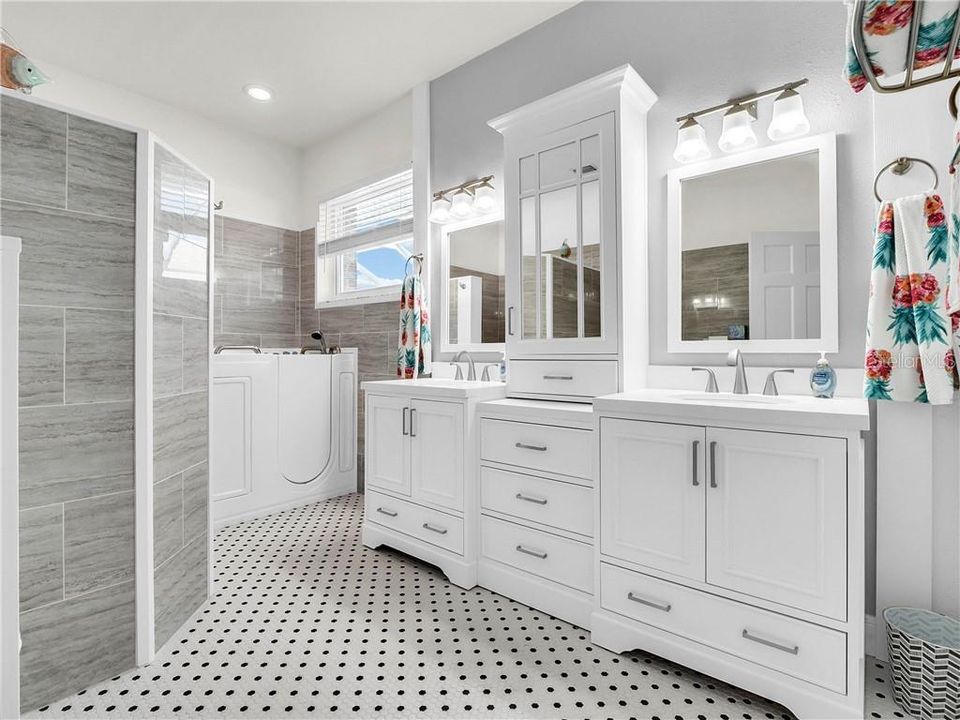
(356, 297)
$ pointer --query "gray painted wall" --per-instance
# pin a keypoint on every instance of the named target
(68, 192)
(693, 54)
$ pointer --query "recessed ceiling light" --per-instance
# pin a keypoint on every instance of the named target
(259, 93)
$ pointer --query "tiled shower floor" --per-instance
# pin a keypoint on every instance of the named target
(306, 622)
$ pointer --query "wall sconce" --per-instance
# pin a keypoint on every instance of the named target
(789, 121)
(474, 197)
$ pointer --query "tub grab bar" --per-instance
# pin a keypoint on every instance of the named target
(220, 348)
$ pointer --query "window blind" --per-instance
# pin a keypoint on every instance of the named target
(375, 213)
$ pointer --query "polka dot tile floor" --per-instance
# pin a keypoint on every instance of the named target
(306, 622)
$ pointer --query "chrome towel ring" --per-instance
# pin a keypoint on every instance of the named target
(419, 260)
(901, 166)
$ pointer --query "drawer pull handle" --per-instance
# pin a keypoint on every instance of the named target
(538, 501)
(643, 601)
(524, 446)
(431, 528)
(535, 553)
(388, 513)
(793, 650)
(558, 377)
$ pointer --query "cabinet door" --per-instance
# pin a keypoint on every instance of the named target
(777, 518)
(386, 443)
(436, 452)
(561, 224)
(651, 495)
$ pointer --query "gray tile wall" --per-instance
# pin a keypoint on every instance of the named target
(722, 270)
(180, 372)
(67, 187)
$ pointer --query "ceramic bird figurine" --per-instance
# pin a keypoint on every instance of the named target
(565, 250)
(17, 72)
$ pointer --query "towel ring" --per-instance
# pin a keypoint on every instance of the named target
(406, 268)
(901, 166)
(952, 101)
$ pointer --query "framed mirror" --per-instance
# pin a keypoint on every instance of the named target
(752, 251)
(472, 285)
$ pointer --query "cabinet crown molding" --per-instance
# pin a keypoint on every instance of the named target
(623, 80)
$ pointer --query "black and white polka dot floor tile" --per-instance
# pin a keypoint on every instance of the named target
(306, 622)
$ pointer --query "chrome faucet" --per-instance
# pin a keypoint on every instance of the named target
(735, 357)
(471, 373)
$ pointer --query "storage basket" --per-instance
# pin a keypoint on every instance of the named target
(924, 649)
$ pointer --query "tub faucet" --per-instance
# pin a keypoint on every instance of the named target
(735, 357)
(318, 336)
(471, 373)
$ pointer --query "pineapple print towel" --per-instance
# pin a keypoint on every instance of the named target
(886, 33)
(910, 348)
(413, 351)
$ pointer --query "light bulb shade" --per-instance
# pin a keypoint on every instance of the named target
(485, 198)
(789, 119)
(737, 130)
(691, 143)
(462, 204)
(440, 210)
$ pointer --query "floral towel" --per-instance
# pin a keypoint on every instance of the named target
(413, 350)
(910, 348)
(886, 32)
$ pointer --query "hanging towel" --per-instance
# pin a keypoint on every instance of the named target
(886, 34)
(910, 349)
(953, 254)
(413, 350)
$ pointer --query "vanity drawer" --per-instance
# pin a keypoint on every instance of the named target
(430, 526)
(550, 502)
(794, 647)
(565, 451)
(564, 561)
(574, 378)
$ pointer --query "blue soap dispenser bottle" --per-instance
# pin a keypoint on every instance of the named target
(823, 378)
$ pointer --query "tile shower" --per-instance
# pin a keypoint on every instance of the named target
(68, 187)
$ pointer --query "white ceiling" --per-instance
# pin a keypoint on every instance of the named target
(328, 63)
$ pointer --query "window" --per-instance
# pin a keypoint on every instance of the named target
(364, 239)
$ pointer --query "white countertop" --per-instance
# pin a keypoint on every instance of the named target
(847, 414)
(437, 388)
(569, 414)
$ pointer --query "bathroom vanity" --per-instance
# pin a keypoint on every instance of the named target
(731, 540)
(421, 470)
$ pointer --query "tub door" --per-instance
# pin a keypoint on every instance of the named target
(387, 444)
(436, 452)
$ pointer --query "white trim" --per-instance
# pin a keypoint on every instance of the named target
(826, 145)
(9, 470)
(143, 402)
(874, 638)
(446, 347)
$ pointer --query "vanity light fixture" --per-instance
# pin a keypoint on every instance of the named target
(737, 128)
(789, 121)
(691, 142)
(474, 197)
(258, 93)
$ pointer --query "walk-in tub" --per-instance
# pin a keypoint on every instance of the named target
(283, 430)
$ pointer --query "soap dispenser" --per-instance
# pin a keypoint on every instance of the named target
(823, 378)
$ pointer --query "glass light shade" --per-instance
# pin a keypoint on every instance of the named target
(691, 142)
(485, 198)
(737, 130)
(440, 210)
(789, 119)
(462, 204)
(258, 93)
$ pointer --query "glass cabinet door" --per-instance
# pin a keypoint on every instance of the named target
(565, 218)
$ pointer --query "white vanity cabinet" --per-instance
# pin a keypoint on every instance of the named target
(536, 505)
(421, 470)
(576, 249)
(731, 540)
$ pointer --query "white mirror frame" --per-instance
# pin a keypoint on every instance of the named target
(445, 345)
(826, 145)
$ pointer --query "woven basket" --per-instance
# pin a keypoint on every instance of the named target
(924, 652)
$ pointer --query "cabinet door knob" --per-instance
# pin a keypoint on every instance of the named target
(538, 501)
(438, 530)
(666, 607)
(792, 649)
(713, 464)
(535, 553)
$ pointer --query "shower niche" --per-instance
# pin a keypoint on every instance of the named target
(114, 342)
